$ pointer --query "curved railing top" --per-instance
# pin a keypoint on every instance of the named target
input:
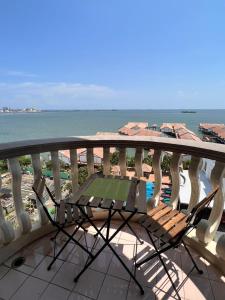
(200, 149)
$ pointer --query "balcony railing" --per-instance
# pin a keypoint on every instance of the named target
(205, 239)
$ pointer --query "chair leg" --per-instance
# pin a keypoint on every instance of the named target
(84, 229)
(70, 237)
(168, 274)
(192, 259)
(55, 236)
(158, 253)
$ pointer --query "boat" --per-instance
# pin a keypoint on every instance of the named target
(188, 112)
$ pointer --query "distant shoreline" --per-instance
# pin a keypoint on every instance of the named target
(122, 109)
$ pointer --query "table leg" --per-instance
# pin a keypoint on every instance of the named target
(107, 243)
(131, 229)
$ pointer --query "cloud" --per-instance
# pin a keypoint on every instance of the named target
(15, 73)
(187, 94)
(54, 94)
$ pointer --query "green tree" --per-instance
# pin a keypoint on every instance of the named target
(165, 165)
(114, 159)
(25, 161)
(48, 165)
(3, 166)
(130, 162)
(186, 164)
(68, 187)
(82, 175)
(148, 160)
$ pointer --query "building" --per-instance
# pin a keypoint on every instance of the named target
(168, 128)
(138, 129)
(64, 155)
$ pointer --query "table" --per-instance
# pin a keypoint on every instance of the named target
(116, 195)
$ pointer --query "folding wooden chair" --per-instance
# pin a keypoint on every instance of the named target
(66, 214)
(169, 227)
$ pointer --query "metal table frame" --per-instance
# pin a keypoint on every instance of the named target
(131, 208)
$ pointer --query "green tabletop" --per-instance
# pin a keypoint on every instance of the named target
(109, 188)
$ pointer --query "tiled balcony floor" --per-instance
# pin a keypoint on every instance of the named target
(105, 279)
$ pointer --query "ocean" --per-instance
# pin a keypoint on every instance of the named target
(23, 126)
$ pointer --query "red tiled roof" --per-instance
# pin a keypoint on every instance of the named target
(184, 133)
(97, 151)
(148, 132)
(172, 125)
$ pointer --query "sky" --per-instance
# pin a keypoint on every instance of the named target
(114, 54)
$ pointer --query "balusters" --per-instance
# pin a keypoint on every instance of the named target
(156, 165)
(22, 216)
(56, 175)
(194, 175)
(5, 226)
(138, 161)
(220, 246)
(106, 161)
(74, 171)
(36, 163)
(122, 161)
(175, 175)
(206, 229)
(90, 161)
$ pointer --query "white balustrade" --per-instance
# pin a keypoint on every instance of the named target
(56, 175)
(206, 229)
(156, 166)
(90, 161)
(175, 175)
(22, 216)
(106, 161)
(138, 161)
(194, 175)
(36, 163)
(122, 161)
(206, 232)
(74, 171)
(7, 230)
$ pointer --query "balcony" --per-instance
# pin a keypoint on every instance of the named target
(31, 236)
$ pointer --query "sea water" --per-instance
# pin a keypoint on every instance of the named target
(23, 126)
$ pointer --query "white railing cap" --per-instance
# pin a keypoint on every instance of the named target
(202, 149)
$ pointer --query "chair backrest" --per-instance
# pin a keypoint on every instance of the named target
(38, 188)
(62, 209)
(196, 213)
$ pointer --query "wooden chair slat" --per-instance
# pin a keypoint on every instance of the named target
(156, 209)
(141, 203)
(170, 224)
(106, 203)
(76, 214)
(155, 225)
(173, 232)
(142, 219)
(130, 206)
(61, 212)
(147, 222)
(69, 215)
(118, 205)
(161, 213)
(95, 202)
(84, 200)
(89, 211)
